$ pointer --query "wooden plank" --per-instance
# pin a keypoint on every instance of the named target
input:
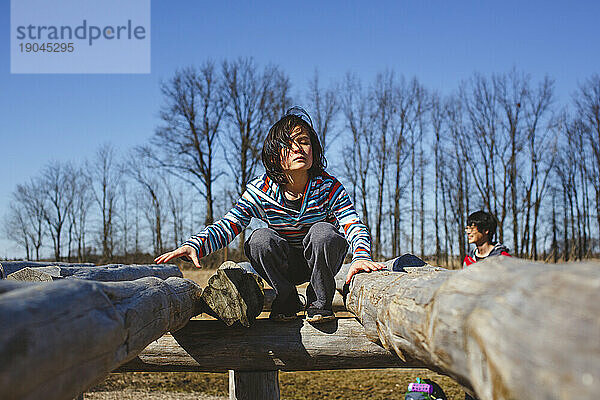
(245, 385)
(208, 345)
(506, 328)
(103, 273)
(59, 338)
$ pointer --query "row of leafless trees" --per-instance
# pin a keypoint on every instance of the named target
(415, 163)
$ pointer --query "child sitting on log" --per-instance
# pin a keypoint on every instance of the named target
(481, 229)
(303, 207)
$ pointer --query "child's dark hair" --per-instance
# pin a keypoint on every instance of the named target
(279, 137)
(484, 222)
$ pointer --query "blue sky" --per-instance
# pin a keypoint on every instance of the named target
(66, 116)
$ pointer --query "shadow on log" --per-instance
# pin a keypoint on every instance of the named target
(507, 328)
(64, 336)
(204, 345)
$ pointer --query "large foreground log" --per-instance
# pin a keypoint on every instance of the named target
(507, 328)
(60, 338)
(103, 273)
(204, 345)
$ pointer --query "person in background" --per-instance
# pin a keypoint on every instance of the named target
(481, 229)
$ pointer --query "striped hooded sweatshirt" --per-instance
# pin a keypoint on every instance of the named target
(498, 250)
(325, 199)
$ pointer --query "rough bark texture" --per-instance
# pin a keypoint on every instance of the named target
(211, 346)
(60, 338)
(234, 294)
(507, 328)
(244, 385)
(13, 266)
(103, 273)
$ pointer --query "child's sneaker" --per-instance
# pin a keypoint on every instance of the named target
(286, 312)
(318, 315)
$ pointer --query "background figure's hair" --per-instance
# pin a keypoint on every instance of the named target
(279, 137)
(484, 221)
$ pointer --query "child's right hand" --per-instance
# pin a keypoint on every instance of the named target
(183, 251)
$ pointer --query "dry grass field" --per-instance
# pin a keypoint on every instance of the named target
(343, 384)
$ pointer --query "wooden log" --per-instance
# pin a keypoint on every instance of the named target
(507, 328)
(234, 295)
(245, 385)
(103, 273)
(60, 338)
(208, 345)
(13, 266)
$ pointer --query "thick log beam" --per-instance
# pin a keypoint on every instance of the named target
(59, 338)
(205, 345)
(507, 328)
(103, 273)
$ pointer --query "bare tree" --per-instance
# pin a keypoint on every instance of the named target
(324, 106)
(511, 90)
(409, 100)
(587, 105)
(29, 198)
(58, 186)
(359, 120)
(483, 142)
(185, 143)
(106, 175)
(384, 109)
(176, 206)
(140, 169)
(255, 99)
(78, 214)
(16, 227)
(541, 146)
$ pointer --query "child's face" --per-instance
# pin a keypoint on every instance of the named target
(299, 157)
(474, 236)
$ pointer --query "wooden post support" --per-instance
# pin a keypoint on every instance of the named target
(254, 385)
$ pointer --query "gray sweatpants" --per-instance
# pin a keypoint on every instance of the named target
(284, 266)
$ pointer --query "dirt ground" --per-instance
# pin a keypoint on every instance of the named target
(376, 384)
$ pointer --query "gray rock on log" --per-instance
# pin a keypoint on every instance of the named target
(234, 295)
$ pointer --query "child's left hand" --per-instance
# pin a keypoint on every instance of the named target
(363, 265)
